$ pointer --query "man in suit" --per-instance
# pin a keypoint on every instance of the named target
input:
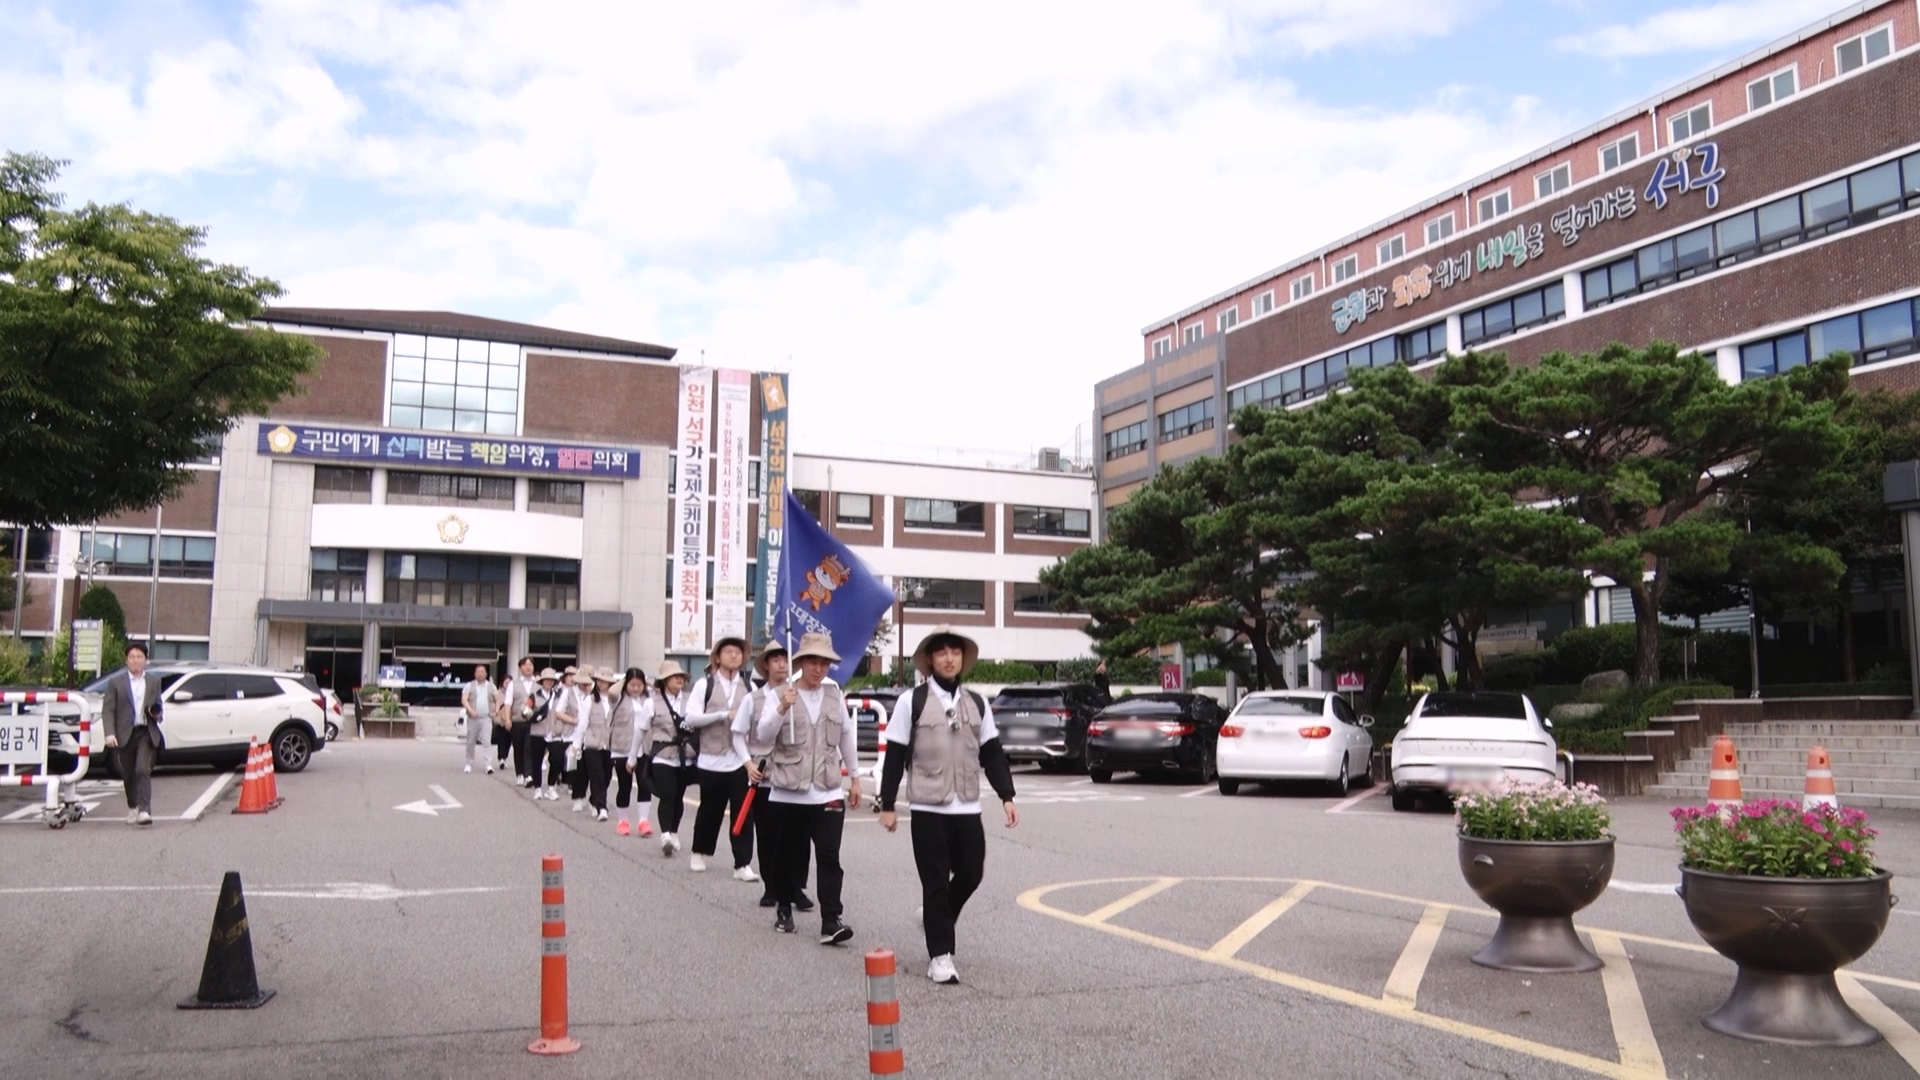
(130, 708)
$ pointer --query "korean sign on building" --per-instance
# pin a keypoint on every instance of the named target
(322, 443)
(689, 622)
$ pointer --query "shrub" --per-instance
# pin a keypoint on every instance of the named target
(1004, 671)
(1775, 838)
(16, 658)
(1209, 677)
(1505, 810)
(1583, 650)
(100, 603)
(1519, 671)
(1121, 671)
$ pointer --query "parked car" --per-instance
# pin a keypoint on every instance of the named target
(1457, 737)
(1159, 733)
(213, 711)
(1047, 722)
(871, 710)
(333, 715)
(1294, 735)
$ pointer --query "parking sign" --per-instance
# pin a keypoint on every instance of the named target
(1171, 677)
(1350, 682)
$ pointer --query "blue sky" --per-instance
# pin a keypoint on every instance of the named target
(985, 200)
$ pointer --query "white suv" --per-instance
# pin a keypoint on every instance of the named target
(213, 711)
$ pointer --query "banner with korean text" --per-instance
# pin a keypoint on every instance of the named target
(688, 627)
(773, 492)
(734, 399)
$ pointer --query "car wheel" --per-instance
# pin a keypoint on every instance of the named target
(333, 732)
(1207, 769)
(292, 749)
(1228, 787)
(1402, 799)
(1339, 783)
(1100, 776)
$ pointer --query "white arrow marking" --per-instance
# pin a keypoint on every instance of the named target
(421, 806)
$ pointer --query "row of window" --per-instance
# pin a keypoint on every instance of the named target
(344, 484)
(1879, 333)
(955, 515)
(1321, 376)
(950, 594)
(455, 384)
(1855, 52)
(133, 554)
(1187, 420)
(1513, 314)
(339, 575)
(1131, 439)
(1867, 195)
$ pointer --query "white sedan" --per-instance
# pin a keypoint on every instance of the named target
(1293, 735)
(1456, 738)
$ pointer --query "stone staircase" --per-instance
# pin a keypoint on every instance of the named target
(1876, 763)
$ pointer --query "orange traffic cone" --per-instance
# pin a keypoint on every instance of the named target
(267, 781)
(1819, 789)
(253, 792)
(1723, 782)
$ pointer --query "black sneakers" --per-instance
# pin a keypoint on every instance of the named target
(783, 920)
(804, 904)
(835, 932)
(767, 900)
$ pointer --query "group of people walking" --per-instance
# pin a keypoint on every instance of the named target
(772, 752)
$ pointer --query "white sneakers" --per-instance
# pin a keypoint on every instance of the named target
(489, 769)
(467, 769)
(133, 817)
(669, 843)
(602, 816)
(941, 970)
(144, 818)
(579, 805)
(745, 873)
(697, 864)
(551, 793)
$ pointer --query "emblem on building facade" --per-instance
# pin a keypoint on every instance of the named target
(453, 529)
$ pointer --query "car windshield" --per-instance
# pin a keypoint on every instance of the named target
(1494, 706)
(1280, 706)
(1029, 699)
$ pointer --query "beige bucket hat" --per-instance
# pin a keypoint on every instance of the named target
(606, 675)
(767, 652)
(667, 670)
(549, 675)
(819, 646)
(923, 653)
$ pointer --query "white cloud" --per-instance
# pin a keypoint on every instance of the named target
(1713, 28)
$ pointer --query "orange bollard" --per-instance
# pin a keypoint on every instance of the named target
(884, 1056)
(1723, 782)
(1819, 790)
(253, 798)
(553, 962)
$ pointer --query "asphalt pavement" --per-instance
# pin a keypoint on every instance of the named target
(1139, 928)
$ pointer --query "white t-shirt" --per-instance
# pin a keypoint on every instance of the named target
(900, 731)
(138, 688)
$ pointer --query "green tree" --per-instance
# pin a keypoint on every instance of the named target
(1641, 443)
(122, 351)
(12, 586)
(101, 602)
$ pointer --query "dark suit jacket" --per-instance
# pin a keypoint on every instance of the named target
(117, 705)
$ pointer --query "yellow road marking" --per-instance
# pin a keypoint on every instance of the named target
(1035, 900)
(1403, 986)
(1228, 947)
(1900, 1034)
(1131, 899)
(1632, 1030)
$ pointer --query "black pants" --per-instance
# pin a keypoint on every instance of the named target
(767, 823)
(721, 793)
(626, 781)
(671, 782)
(598, 767)
(556, 762)
(950, 851)
(577, 777)
(521, 739)
(136, 768)
(799, 830)
(502, 744)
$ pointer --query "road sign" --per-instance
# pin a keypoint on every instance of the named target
(89, 640)
(1172, 677)
(1350, 682)
(23, 739)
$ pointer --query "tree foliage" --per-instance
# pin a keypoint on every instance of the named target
(101, 602)
(122, 351)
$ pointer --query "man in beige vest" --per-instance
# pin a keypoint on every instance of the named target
(813, 741)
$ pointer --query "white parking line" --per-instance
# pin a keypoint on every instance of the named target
(1650, 888)
(206, 797)
(1210, 789)
(1351, 801)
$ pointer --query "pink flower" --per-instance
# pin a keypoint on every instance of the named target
(1836, 860)
(1846, 846)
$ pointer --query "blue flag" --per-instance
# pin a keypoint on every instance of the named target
(825, 588)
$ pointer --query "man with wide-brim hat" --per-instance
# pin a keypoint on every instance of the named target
(722, 765)
(943, 786)
(669, 750)
(770, 667)
(814, 741)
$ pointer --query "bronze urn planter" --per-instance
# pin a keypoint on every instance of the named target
(1787, 936)
(1537, 886)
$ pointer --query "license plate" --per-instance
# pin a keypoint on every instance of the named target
(1133, 734)
(1472, 775)
(1023, 734)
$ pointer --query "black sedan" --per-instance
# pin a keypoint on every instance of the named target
(1161, 733)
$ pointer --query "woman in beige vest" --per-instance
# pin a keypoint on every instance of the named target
(722, 762)
(669, 752)
(539, 731)
(593, 739)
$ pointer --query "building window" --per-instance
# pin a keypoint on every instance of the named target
(1346, 268)
(1263, 303)
(1423, 344)
(1513, 314)
(947, 594)
(1127, 440)
(1494, 205)
(1440, 228)
(1193, 333)
(553, 584)
(809, 501)
(552, 649)
(1162, 345)
(1229, 318)
(1388, 250)
(449, 489)
(946, 514)
(455, 384)
(1775, 87)
(210, 449)
(1858, 52)
(1302, 287)
(1553, 181)
(177, 650)
(853, 510)
(1051, 521)
(335, 484)
(1619, 152)
(123, 554)
(1187, 420)
(1031, 598)
(186, 556)
(40, 549)
(564, 497)
(1690, 123)
(339, 575)
(436, 580)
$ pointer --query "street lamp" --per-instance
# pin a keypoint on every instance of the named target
(903, 588)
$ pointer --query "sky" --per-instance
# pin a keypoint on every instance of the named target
(947, 220)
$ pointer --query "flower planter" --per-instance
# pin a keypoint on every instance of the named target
(1536, 886)
(1787, 936)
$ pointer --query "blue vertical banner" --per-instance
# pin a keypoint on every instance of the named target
(825, 588)
(773, 496)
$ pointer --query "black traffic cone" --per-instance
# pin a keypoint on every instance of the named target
(227, 981)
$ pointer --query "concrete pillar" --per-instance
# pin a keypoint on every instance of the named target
(379, 487)
(517, 582)
(1575, 294)
(1456, 338)
(370, 655)
(376, 576)
(1910, 550)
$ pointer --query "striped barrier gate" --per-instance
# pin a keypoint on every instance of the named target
(62, 804)
(884, 1056)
